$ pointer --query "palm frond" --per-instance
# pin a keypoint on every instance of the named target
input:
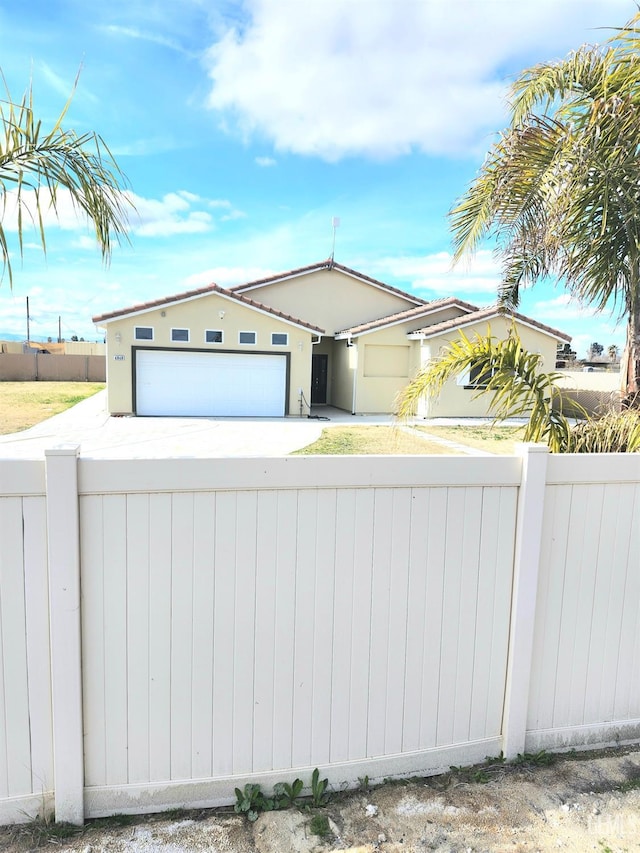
(35, 166)
(505, 372)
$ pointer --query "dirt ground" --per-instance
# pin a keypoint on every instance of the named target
(580, 802)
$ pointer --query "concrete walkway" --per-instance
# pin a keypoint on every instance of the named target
(103, 437)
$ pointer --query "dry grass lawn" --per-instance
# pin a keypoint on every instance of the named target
(370, 440)
(493, 439)
(24, 404)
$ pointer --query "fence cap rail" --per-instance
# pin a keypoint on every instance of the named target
(22, 477)
(102, 476)
(583, 468)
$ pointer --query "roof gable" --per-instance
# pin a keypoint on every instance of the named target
(485, 314)
(424, 310)
(211, 289)
(329, 264)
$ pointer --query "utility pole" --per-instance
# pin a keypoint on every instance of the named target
(59, 329)
(28, 333)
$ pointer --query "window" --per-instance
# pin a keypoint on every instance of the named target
(213, 336)
(479, 375)
(180, 335)
(143, 333)
(279, 339)
(246, 337)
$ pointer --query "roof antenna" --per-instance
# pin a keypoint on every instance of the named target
(335, 222)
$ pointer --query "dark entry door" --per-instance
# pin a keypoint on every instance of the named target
(319, 365)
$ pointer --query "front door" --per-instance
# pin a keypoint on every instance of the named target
(319, 368)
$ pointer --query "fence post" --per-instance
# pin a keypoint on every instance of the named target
(64, 612)
(523, 597)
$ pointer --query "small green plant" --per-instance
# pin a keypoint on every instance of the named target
(319, 796)
(319, 825)
(286, 794)
(537, 759)
(363, 783)
(250, 801)
(480, 777)
(470, 773)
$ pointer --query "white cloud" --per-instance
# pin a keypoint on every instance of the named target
(85, 243)
(227, 276)
(180, 212)
(265, 162)
(145, 35)
(436, 275)
(342, 78)
(232, 215)
(562, 307)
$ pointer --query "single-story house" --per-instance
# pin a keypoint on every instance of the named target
(323, 334)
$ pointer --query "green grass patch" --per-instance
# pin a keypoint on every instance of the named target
(24, 404)
(370, 440)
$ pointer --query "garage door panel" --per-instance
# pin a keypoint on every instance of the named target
(183, 383)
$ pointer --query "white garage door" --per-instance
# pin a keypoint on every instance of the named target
(210, 384)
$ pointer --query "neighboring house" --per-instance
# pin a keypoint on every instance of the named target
(319, 335)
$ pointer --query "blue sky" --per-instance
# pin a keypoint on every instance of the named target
(244, 127)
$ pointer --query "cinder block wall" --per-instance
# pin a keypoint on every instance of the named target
(30, 367)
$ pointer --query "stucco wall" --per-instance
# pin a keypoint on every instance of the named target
(198, 315)
(342, 388)
(386, 361)
(330, 299)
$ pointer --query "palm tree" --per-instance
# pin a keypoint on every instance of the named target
(36, 165)
(560, 189)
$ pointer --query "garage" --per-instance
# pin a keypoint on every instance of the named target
(210, 384)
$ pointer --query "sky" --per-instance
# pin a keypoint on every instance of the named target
(244, 128)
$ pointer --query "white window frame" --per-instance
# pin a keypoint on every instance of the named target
(138, 338)
(217, 332)
(178, 340)
(284, 335)
(247, 343)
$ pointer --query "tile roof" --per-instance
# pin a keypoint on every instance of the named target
(421, 310)
(485, 314)
(204, 291)
(328, 265)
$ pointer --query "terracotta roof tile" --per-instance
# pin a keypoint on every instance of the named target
(204, 291)
(485, 314)
(420, 310)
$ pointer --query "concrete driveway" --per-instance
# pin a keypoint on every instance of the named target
(103, 437)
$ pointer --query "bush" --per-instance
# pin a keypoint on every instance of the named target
(617, 432)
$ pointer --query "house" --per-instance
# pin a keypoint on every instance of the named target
(323, 334)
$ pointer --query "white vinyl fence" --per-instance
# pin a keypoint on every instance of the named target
(170, 629)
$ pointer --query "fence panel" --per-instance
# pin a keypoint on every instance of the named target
(585, 686)
(279, 629)
(26, 751)
(255, 618)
